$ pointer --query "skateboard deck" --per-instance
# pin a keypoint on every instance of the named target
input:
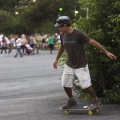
(81, 107)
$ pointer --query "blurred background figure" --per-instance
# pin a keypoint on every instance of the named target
(10, 44)
(32, 42)
(38, 41)
(28, 49)
(24, 41)
(44, 43)
(51, 43)
(3, 44)
(18, 42)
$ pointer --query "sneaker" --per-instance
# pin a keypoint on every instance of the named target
(95, 105)
(69, 104)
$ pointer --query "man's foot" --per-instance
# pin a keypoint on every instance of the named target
(95, 105)
(69, 104)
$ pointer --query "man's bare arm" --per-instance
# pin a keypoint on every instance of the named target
(99, 46)
(60, 51)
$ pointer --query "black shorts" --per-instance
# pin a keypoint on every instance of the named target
(51, 46)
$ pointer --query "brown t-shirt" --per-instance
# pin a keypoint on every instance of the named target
(74, 45)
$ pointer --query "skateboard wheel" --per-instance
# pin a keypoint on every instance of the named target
(96, 111)
(66, 112)
(90, 112)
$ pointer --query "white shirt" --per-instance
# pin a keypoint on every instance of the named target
(18, 42)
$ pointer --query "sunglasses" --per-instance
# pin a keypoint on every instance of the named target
(61, 26)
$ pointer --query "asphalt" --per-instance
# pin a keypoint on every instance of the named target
(30, 90)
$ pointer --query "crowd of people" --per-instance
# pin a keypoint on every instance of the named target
(28, 44)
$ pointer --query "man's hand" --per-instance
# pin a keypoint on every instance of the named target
(111, 56)
(55, 64)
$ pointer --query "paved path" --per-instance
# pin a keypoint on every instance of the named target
(30, 90)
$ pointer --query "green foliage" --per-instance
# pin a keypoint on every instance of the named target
(7, 5)
(44, 11)
(37, 16)
(103, 26)
(5, 21)
(49, 25)
(9, 24)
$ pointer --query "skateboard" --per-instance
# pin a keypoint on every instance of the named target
(81, 107)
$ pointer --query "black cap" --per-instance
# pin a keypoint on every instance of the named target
(62, 20)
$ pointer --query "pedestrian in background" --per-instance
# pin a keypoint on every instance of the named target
(3, 45)
(51, 43)
(10, 45)
(32, 42)
(18, 43)
(38, 40)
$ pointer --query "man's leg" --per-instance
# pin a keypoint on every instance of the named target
(5, 49)
(71, 102)
(85, 81)
(16, 52)
(1, 50)
(68, 92)
(91, 91)
(97, 103)
(67, 83)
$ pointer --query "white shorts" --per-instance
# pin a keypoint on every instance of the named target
(82, 74)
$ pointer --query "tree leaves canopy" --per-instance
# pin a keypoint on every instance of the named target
(103, 25)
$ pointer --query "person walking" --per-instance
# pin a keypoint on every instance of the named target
(51, 43)
(37, 38)
(24, 41)
(73, 41)
(3, 45)
(18, 43)
(10, 45)
(32, 42)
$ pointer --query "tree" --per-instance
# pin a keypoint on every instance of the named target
(103, 25)
(9, 21)
(8, 5)
(39, 16)
(47, 11)
(5, 21)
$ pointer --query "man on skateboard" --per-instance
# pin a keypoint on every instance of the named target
(73, 41)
